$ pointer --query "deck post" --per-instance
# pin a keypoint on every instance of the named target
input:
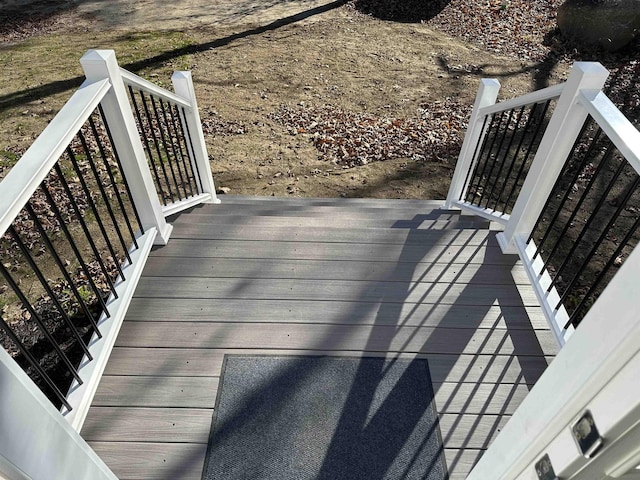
(101, 64)
(597, 370)
(487, 95)
(37, 442)
(183, 86)
(563, 129)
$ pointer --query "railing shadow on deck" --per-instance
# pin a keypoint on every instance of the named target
(390, 314)
(344, 439)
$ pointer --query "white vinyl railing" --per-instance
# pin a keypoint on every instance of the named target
(579, 98)
(595, 374)
(186, 107)
(25, 411)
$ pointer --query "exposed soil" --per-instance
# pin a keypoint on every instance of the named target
(321, 60)
(317, 61)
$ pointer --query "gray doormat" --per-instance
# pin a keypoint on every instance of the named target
(287, 417)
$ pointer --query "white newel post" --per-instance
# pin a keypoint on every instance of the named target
(563, 129)
(487, 95)
(183, 86)
(101, 64)
(36, 442)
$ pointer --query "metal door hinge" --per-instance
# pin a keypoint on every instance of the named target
(586, 435)
(544, 469)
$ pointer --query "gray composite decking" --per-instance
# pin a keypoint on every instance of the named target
(321, 277)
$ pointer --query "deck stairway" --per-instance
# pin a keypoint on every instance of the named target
(322, 277)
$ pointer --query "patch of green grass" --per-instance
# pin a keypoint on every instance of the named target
(8, 159)
(7, 298)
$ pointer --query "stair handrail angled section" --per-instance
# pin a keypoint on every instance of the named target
(24, 178)
(37, 443)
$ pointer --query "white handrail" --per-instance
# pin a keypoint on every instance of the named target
(146, 86)
(614, 124)
(26, 175)
(534, 97)
(36, 441)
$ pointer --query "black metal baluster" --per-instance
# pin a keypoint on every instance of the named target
(36, 318)
(124, 177)
(180, 139)
(74, 247)
(34, 363)
(45, 284)
(112, 179)
(85, 229)
(600, 239)
(165, 148)
(94, 209)
(475, 177)
(525, 161)
(603, 161)
(567, 191)
(67, 277)
(157, 144)
(122, 174)
(511, 165)
(495, 163)
(592, 216)
(473, 165)
(195, 163)
(154, 168)
(488, 157)
(176, 161)
(105, 197)
(603, 272)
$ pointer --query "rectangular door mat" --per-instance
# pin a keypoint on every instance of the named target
(304, 417)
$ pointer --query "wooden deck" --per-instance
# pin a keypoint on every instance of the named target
(325, 277)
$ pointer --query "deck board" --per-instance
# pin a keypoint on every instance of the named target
(200, 392)
(146, 460)
(288, 249)
(142, 461)
(332, 270)
(338, 290)
(334, 312)
(202, 225)
(344, 277)
(456, 368)
(377, 338)
(191, 425)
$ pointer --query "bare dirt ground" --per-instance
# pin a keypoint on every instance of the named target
(389, 99)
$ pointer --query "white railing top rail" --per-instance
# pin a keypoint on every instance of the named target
(141, 84)
(543, 95)
(614, 124)
(26, 175)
